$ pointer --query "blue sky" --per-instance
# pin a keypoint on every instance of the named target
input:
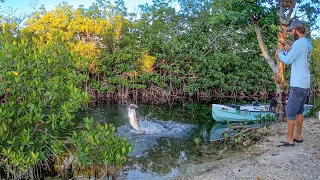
(22, 6)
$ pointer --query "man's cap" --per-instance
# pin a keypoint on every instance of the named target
(295, 23)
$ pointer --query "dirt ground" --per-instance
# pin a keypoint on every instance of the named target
(264, 161)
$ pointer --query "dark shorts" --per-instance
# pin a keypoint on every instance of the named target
(297, 99)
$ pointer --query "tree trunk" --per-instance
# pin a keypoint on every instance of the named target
(281, 101)
(278, 70)
(282, 38)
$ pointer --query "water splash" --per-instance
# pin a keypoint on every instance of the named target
(153, 130)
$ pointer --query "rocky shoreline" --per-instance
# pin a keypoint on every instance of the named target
(263, 160)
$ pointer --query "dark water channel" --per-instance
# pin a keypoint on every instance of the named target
(167, 144)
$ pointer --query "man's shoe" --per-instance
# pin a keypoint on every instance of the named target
(285, 144)
(297, 141)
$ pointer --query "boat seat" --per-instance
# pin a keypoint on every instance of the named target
(237, 107)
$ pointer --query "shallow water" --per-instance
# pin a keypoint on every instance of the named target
(166, 145)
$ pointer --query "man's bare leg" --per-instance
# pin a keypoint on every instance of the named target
(299, 121)
(290, 131)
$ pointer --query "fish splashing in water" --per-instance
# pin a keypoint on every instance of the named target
(133, 117)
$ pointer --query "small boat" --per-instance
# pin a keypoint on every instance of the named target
(242, 113)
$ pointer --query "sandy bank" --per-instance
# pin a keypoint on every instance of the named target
(264, 160)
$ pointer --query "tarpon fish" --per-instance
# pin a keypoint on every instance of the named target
(133, 117)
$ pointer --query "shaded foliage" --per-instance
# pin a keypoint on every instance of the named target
(33, 111)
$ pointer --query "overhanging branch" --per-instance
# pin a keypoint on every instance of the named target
(264, 49)
(290, 12)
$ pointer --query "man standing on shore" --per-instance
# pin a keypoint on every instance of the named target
(299, 58)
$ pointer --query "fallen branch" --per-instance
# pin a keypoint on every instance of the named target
(245, 131)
